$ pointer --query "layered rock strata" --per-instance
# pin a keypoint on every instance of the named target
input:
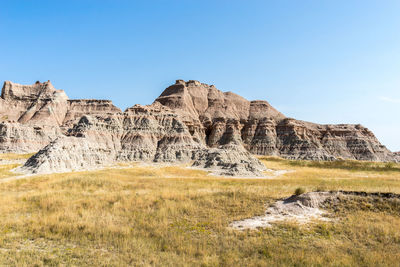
(81, 107)
(21, 138)
(33, 115)
(141, 133)
(219, 117)
(189, 122)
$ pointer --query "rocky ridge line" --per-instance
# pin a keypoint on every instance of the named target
(189, 122)
(218, 117)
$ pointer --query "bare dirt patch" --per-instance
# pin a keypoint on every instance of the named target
(302, 209)
(311, 206)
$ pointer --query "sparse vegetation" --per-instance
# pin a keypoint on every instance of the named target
(10, 158)
(178, 217)
(353, 165)
(299, 191)
(13, 156)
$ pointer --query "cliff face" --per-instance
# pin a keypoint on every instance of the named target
(33, 104)
(302, 140)
(213, 116)
(219, 118)
(80, 107)
(33, 115)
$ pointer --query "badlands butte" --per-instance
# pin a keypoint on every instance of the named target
(190, 122)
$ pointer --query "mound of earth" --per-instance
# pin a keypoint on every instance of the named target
(310, 206)
(229, 160)
(189, 122)
(302, 209)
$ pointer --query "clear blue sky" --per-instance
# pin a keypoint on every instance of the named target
(321, 61)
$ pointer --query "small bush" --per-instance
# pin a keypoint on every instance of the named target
(299, 191)
(390, 165)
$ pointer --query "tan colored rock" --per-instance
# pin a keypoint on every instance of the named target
(206, 103)
(189, 122)
(33, 115)
(217, 118)
(141, 133)
(39, 103)
(80, 107)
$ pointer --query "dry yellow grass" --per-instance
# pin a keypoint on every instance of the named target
(10, 158)
(174, 216)
(13, 156)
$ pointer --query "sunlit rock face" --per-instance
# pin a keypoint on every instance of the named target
(80, 107)
(397, 155)
(33, 115)
(39, 103)
(218, 118)
(21, 138)
(151, 133)
(191, 122)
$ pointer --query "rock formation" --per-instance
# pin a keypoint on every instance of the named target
(21, 138)
(221, 117)
(141, 133)
(33, 115)
(80, 107)
(189, 122)
(302, 209)
(31, 104)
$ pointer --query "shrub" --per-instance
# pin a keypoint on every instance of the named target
(299, 191)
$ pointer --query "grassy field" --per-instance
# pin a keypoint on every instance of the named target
(12, 159)
(172, 216)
